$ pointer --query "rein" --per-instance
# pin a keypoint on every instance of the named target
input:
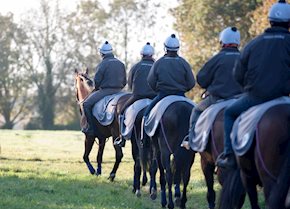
(165, 138)
(261, 159)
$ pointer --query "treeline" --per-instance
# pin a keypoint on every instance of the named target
(38, 54)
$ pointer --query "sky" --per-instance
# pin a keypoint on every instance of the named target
(20, 7)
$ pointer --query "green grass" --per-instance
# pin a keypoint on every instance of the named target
(44, 169)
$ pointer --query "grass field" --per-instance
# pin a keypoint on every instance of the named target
(44, 169)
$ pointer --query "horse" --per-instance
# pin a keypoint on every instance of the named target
(84, 86)
(213, 149)
(142, 153)
(173, 128)
(267, 162)
(145, 156)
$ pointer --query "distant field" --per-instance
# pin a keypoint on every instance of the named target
(44, 169)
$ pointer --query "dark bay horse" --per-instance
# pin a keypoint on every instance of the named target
(214, 147)
(268, 160)
(84, 86)
(173, 128)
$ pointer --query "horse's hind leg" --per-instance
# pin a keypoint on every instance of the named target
(186, 176)
(89, 142)
(165, 157)
(102, 143)
(137, 167)
(208, 171)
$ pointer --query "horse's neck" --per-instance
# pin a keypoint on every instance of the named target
(83, 93)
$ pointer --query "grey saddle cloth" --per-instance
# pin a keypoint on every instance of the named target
(104, 110)
(127, 123)
(152, 121)
(204, 124)
(245, 126)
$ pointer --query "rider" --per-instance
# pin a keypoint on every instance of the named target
(216, 76)
(109, 79)
(264, 72)
(170, 75)
(137, 81)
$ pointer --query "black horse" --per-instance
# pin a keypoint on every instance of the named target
(173, 128)
(267, 162)
(84, 86)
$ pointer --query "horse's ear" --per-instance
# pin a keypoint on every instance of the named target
(76, 71)
(87, 71)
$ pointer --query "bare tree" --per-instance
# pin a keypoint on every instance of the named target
(14, 84)
(46, 60)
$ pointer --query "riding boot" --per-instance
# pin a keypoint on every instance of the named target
(89, 130)
(226, 160)
(120, 141)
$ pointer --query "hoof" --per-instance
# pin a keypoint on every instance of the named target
(153, 194)
(138, 193)
(177, 201)
(112, 177)
(133, 190)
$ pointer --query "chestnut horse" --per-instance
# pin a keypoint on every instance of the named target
(267, 162)
(84, 86)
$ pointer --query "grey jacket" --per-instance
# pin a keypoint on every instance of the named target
(171, 74)
(110, 73)
(264, 67)
(137, 80)
(217, 76)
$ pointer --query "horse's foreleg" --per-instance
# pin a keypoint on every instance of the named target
(118, 159)
(208, 171)
(250, 186)
(102, 143)
(89, 142)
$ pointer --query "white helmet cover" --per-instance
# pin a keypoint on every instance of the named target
(172, 43)
(147, 50)
(106, 48)
(280, 12)
(230, 35)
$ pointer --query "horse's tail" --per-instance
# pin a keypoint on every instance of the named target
(279, 192)
(232, 185)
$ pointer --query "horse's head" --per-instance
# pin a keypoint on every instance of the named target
(83, 84)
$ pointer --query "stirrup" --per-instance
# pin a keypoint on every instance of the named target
(185, 142)
(118, 140)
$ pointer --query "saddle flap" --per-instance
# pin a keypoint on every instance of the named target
(204, 125)
(104, 110)
(130, 114)
(244, 128)
(152, 121)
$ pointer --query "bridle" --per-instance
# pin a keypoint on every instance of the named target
(83, 77)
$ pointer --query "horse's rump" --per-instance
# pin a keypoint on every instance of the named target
(272, 139)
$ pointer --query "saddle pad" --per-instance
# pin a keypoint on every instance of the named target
(245, 126)
(204, 124)
(127, 122)
(152, 121)
(104, 109)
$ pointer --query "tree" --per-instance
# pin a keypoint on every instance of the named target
(46, 60)
(260, 17)
(200, 22)
(13, 81)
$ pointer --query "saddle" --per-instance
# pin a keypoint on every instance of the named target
(104, 110)
(151, 123)
(244, 128)
(130, 114)
(204, 124)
